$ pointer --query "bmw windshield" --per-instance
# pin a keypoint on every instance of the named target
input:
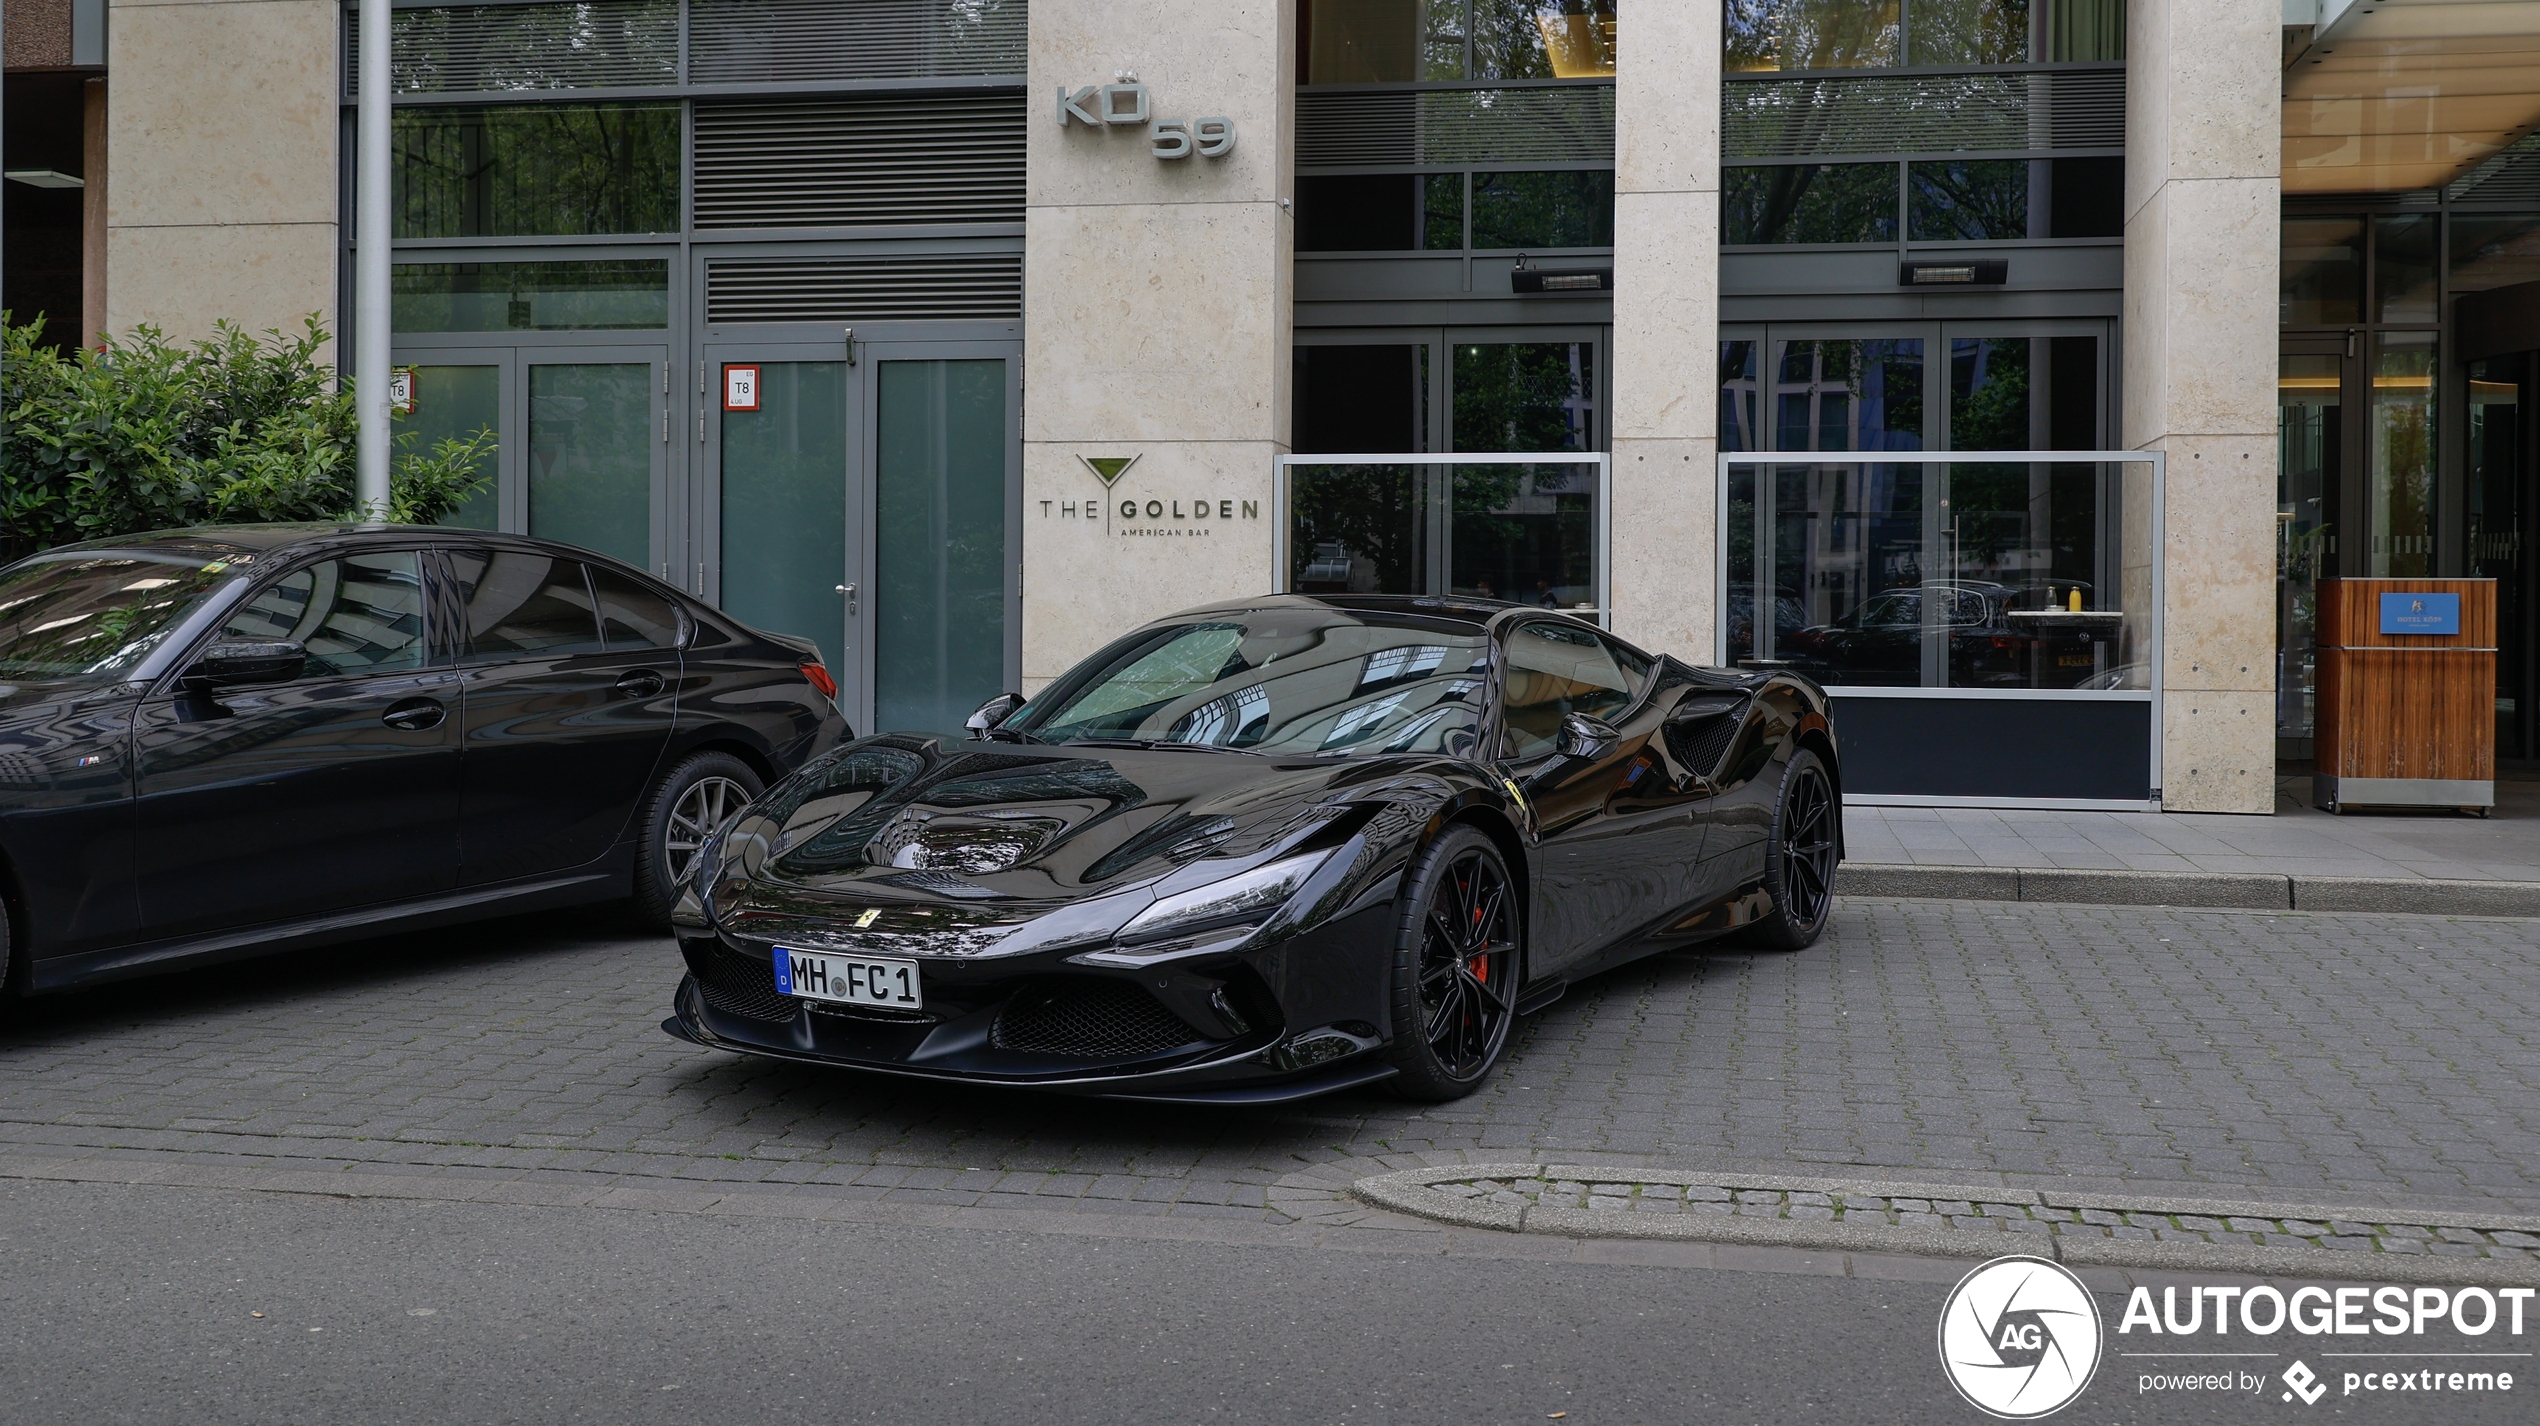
(90, 615)
(1285, 681)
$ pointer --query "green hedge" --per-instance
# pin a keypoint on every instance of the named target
(143, 434)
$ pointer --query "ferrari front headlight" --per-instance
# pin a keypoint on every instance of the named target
(1246, 896)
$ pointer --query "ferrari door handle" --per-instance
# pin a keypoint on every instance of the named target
(415, 715)
(640, 683)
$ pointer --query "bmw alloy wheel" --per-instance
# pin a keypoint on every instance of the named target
(699, 813)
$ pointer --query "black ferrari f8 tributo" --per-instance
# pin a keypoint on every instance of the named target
(1264, 850)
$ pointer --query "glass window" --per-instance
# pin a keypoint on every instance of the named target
(1848, 395)
(1809, 203)
(92, 615)
(360, 614)
(2085, 198)
(632, 616)
(1968, 200)
(940, 575)
(1284, 681)
(1739, 392)
(1544, 210)
(784, 487)
(520, 604)
(530, 296)
(2494, 489)
(1809, 34)
(2403, 267)
(1964, 32)
(454, 403)
(1552, 671)
(1989, 394)
(2494, 250)
(1543, 39)
(591, 448)
(2308, 430)
(2323, 272)
(1382, 41)
(1361, 399)
(536, 170)
(1525, 533)
(1379, 212)
(2085, 31)
(1525, 397)
(2402, 439)
(1358, 529)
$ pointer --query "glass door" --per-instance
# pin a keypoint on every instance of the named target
(870, 505)
(455, 394)
(2312, 437)
(782, 431)
(596, 470)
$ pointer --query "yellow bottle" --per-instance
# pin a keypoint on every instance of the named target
(2075, 605)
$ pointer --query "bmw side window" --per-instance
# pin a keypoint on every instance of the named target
(631, 616)
(518, 604)
(1554, 670)
(360, 614)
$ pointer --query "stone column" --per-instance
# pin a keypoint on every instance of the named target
(2203, 209)
(1156, 315)
(1665, 549)
(222, 200)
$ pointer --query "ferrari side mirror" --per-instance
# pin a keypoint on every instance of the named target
(996, 710)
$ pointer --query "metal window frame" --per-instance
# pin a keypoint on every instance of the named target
(1600, 539)
(2154, 623)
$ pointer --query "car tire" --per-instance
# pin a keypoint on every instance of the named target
(1799, 860)
(689, 804)
(1456, 956)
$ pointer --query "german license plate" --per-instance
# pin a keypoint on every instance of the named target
(848, 980)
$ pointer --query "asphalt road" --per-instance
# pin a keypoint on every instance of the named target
(138, 1304)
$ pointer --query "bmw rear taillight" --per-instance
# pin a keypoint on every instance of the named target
(819, 678)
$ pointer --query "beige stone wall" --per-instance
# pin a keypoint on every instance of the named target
(221, 133)
(1156, 319)
(2203, 208)
(1666, 323)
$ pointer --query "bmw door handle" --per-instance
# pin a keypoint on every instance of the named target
(640, 683)
(415, 715)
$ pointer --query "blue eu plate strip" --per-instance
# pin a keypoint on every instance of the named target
(2420, 613)
(784, 972)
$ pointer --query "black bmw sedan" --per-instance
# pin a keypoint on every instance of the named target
(1265, 850)
(225, 741)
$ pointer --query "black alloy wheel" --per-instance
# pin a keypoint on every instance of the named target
(1455, 968)
(1799, 861)
(702, 793)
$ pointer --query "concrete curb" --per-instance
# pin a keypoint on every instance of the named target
(2255, 891)
(1410, 1191)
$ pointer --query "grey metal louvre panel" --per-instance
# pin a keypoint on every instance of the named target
(2014, 112)
(781, 41)
(2510, 175)
(1571, 124)
(1344, 130)
(584, 44)
(866, 289)
(954, 158)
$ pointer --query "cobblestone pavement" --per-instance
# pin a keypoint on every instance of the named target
(2298, 1057)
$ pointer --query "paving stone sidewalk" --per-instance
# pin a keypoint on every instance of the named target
(2287, 1057)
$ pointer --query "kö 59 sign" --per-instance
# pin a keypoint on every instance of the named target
(1125, 104)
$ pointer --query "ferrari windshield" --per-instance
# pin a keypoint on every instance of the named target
(1287, 681)
(95, 614)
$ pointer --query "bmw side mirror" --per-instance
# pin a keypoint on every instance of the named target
(237, 665)
(996, 710)
(1585, 739)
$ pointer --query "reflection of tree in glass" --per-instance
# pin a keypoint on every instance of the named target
(1530, 396)
(536, 170)
(1374, 513)
(1969, 200)
(1543, 210)
(1968, 31)
(1512, 39)
(1808, 34)
(1988, 399)
(1809, 203)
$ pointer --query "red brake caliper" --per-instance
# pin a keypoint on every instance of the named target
(1479, 964)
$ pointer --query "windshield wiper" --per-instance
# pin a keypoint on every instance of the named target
(1009, 735)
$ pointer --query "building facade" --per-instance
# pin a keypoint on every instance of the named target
(962, 334)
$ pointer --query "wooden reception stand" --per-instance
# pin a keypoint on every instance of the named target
(2406, 719)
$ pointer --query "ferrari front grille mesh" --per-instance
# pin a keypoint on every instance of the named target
(742, 987)
(1094, 1019)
